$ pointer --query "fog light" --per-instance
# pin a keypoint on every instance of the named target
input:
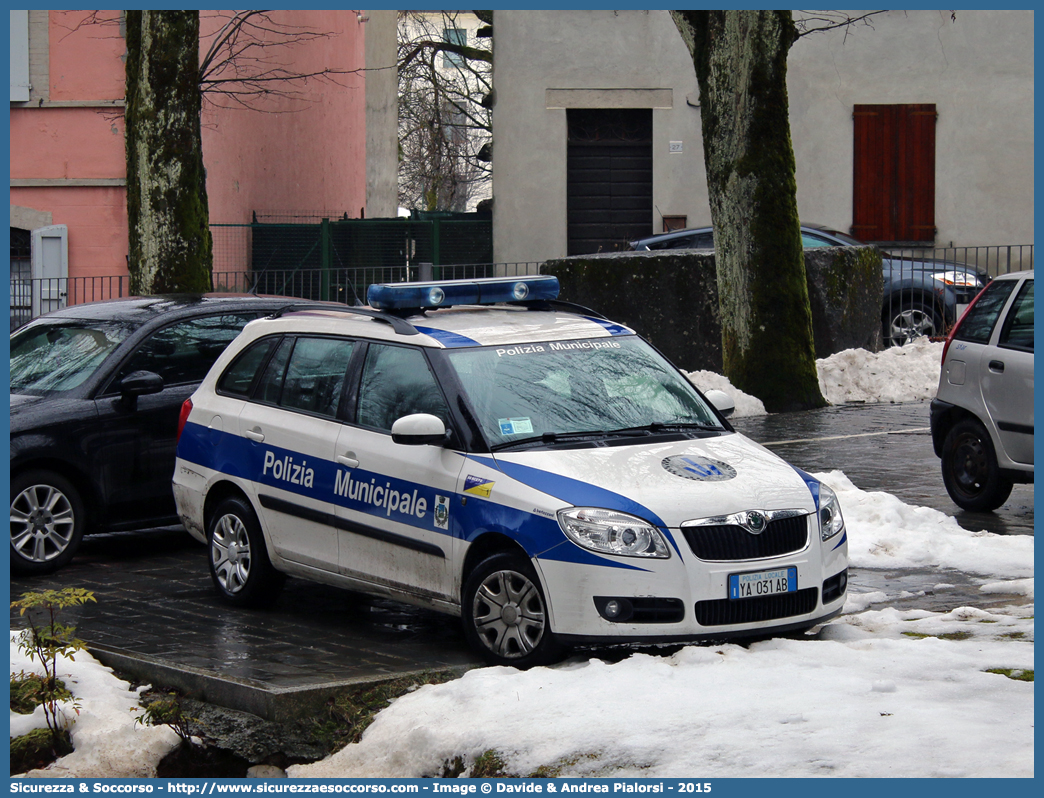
(612, 609)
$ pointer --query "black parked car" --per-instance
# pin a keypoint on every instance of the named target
(922, 296)
(96, 390)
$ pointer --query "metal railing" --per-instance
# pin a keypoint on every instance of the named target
(34, 297)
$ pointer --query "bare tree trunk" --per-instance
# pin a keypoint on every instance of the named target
(741, 66)
(168, 216)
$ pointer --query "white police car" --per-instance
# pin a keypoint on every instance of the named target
(480, 448)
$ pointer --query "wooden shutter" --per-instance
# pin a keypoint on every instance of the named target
(894, 173)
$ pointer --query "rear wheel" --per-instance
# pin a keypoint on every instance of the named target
(910, 320)
(47, 522)
(969, 468)
(239, 564)
(505, 613)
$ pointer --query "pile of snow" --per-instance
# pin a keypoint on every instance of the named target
(108, 742)
(885, 533)
(746, 405)
(900, 374)
(879, 693)
(874, 697)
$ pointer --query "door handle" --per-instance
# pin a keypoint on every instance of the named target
(997, 366)
(348, 459)
(255, 434)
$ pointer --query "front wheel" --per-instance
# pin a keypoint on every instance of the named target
(910, 320)
(969, 468)
(239, 564)
(505, 613)
(47, 522)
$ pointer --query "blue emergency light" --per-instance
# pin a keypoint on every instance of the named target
(446, 293)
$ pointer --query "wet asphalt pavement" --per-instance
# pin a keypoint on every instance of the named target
(157, 617)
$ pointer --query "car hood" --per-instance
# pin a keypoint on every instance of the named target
(667, 483)
(29, 413)
(21, 400)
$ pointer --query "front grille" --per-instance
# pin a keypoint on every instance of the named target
(729, 542)
(721, 612)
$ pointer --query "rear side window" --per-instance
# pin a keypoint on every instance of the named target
(306, 374)
(184, 352)
(977, 325)
(1017, 332)
(239, 377)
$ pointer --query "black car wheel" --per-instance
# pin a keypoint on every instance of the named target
(239, 564)
(505, 614)
(47, 522)
(909, 320)
(969, 468)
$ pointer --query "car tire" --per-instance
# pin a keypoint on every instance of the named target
(969, 468)
(47, 522)
(908, 321)
(505, 613)
(239, 565)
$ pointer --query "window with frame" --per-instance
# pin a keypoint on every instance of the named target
(306, 373)
(894, 174)
(184, 352)
(458, 37)
(396, 382)
(1017, 332)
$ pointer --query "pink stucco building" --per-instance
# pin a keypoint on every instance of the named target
(331, 150)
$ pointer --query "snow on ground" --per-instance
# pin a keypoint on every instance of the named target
(898, 374)
(880, 693)
(107, 741)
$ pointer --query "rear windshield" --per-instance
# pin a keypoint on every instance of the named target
(58, 356)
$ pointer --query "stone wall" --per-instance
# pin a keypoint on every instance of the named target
(671, 298)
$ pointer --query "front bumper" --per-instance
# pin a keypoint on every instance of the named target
(687, 599)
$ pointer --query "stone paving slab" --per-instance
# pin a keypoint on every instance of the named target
(158, 620)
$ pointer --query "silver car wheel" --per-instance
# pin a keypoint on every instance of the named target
(909, 324)
(230, 553)
(508, 614)
(43, 523)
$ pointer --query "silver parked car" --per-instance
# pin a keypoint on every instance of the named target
(982, 416)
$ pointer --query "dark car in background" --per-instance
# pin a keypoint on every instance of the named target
(96, 391)
(922, 296)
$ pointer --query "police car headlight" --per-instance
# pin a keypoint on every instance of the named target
(830, 520)
(610, 532)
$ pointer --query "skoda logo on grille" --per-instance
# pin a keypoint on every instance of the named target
(755, 523)
(701, 469)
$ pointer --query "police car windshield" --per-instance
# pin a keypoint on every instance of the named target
(575, 389)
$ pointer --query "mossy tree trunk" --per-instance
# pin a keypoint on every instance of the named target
(171, 249)
(741, 66)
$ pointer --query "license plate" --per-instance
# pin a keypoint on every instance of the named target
(763, 583)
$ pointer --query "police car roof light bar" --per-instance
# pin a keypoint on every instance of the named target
(447, 293)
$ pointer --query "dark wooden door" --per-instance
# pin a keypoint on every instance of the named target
(609, 178)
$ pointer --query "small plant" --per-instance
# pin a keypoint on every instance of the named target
(169, 712)
(44, 641)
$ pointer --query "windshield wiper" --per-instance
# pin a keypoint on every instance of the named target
(549, 438)
(678, 426)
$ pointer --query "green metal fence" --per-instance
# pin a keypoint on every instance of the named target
(337, 258)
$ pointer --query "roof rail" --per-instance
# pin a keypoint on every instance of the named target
(559, 304)
(401, 326)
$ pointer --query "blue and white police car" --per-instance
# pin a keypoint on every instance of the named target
(483, 449)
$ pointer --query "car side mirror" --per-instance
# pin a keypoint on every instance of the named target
(140, 383)
(419, 429)
(722, 401)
